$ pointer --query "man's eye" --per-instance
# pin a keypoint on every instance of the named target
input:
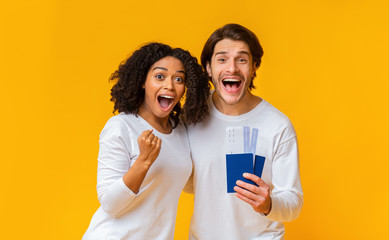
(221, 60)
(242, 60)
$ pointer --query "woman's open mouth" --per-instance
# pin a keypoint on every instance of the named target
(165, 101)
(231, 85)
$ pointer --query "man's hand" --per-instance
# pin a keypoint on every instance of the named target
(258, 197)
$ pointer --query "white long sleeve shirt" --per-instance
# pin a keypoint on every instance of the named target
(151, 213)
(221, 215)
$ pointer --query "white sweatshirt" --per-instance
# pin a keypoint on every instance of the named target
(151, 213)
(221, 215)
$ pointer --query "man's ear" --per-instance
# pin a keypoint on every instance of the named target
(209, 69)
(255, 68)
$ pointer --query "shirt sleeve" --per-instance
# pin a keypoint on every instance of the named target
(287, 194)
(113, 162)
(188, 188)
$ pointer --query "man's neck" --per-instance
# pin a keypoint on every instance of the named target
(245, 105)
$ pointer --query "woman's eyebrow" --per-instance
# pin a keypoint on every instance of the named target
(165, 69)
(160, 68)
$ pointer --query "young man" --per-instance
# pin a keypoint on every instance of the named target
(231, 57)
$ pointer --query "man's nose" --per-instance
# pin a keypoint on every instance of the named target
(231, 66)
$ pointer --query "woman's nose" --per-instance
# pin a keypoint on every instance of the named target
(168, 83)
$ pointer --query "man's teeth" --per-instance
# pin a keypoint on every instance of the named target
(231, 80)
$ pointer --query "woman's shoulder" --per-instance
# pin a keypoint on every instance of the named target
(120, 123)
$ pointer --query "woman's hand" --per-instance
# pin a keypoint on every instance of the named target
(149, 147)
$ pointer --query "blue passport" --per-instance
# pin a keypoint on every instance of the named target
(237, 164)
(258, 165)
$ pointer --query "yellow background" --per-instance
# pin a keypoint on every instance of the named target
(325, 66)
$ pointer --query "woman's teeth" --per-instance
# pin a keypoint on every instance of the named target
(165, 101)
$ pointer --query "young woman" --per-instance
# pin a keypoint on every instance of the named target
(144, 157)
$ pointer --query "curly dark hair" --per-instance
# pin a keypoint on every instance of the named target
(128, 93)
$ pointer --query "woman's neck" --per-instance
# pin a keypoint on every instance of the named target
(162, 125)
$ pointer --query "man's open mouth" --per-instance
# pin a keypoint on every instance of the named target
(231, 84)
(165, 101)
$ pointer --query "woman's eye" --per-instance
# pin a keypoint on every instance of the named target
(159, 76)
(179, 79)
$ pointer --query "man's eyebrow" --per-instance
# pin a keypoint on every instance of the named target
(244, 52)
(220, 53)
(240, 52)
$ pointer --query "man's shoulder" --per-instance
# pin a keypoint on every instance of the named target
(273, 113)
(276, 121)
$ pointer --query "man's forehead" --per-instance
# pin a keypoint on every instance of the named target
(228, 46)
